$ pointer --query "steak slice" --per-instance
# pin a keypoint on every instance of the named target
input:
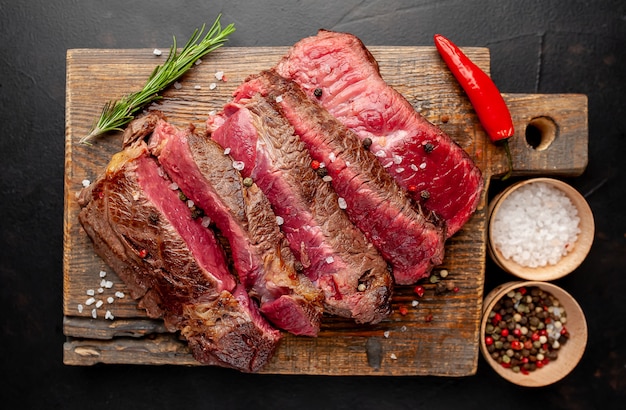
(335, 255)
(420, 156)
(260, 252)
(172, 263)
(410, 241)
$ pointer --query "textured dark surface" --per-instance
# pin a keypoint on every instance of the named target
(536, 47)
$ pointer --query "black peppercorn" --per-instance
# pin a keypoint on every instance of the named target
(317, 92)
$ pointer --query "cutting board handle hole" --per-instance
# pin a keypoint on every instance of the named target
(541, 132)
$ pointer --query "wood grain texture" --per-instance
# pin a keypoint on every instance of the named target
(439, 336)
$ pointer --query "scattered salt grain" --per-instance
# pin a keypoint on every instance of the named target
(90, 301)
(212, 113)
(102, 274)
(342, 203)
(387, 165)
(197, 87)
(386, 334)
(119, 295)
(157, 52)
(109, 315)
(238, 165)
(399, 170)
(90, 292)
(227, 151)
(110, 300)
(80, 308)
(94, 313)
(99, 304)
(108, 284)
(178, 85)
(103, 283)
(206, 221)
(279, 98)
(327, 178)
(332, 157)
(397, 159)
(535, 225)
(393, 356)
(422, 165)
(198, 61)
(403, 329)
(219, 75)
(415, 303)
(190, 203)
(279, 220)
(380, 153)
(173, 186)
(86, 183)
(100, 290)
(413, 167)
(212, 86)
(330, 260)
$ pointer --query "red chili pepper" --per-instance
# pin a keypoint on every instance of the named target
(485, 97)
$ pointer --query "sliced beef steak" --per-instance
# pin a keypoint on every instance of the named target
(336, 70)
(172, 263)
(334, 253)
(410, 241)
(261, 255)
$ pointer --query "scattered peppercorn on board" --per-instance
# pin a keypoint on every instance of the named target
(433, 334)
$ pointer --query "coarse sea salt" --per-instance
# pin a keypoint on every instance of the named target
(536, 225)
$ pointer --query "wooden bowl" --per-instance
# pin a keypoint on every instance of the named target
(567, 263)
(569, 353)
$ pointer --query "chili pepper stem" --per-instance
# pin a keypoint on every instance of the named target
(509, 157)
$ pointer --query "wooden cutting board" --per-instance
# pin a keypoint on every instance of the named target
(438, 336)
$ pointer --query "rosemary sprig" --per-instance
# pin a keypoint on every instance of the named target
(116, 114)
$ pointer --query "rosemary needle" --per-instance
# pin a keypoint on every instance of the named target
(116, 114)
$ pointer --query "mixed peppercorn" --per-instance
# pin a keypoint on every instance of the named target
(526, 329)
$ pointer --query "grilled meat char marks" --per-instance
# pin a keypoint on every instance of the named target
(337, 71)
(335, 254)
(261, 255)
(409, 240)
(172, 263)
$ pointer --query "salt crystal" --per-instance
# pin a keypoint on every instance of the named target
(397, 159)
(227, 151)
(109, 315)
(102, 274)
(380, 153)
(119, 294)
(190, 203)
(173, 186)
(178, 85)
(90, 301)
(206, 221)
(212, 86)
(219, 75)
(86, 183)
(279, 99)
(110, 299)
(80, 308)
(388, 164)
(342, 203)
(399, 170)
(279, 220)
(197, 87)
(99, 304)
(332, 157)
(108, 284)
(386, 334)
(198, 61)
(90, 292)
(238, 165)
(100, 290)
(393, 356)
(327, 178)
(330, 259)
(422, 165)
(157, 52)
(94, 313)
(415, 303)
(413, 167)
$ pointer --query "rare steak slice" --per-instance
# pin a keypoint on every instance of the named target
(335, 255)
(410, 241)
(261, 256)
(336, 70)
(172, 264)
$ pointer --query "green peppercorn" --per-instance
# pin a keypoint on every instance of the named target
(247, 182)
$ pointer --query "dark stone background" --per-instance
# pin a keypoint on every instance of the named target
(536, 47)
